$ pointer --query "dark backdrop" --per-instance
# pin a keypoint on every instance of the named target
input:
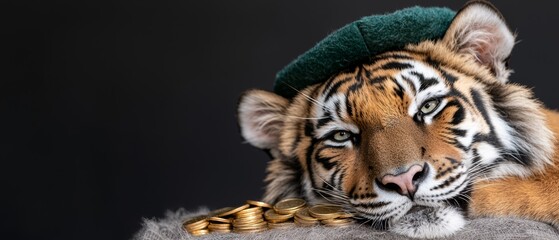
(110, 112)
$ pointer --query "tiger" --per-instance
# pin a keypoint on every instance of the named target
(417, 140)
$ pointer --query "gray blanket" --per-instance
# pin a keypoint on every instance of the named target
(170, 227)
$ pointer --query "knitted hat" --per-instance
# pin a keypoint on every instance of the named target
(358, 41)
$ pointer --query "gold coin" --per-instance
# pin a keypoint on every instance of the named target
(199, 232)
(337, 222)
(217, 212)
(237, 222)
(271, 215)
(250, 210)
(290, 205)
(304, 214)
(195, 220)
(212, 226)
(196, 223)
(218, 219)
(259, 204)
(282, 225)
(306, 224)
(248, 218)
(200, 226)
(322, 212)
(252, 225)
(233, 211)
(249, 215)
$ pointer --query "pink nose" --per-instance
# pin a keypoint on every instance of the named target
(404, 183)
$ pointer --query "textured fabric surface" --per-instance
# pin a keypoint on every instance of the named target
(358, 41)
(170, 227)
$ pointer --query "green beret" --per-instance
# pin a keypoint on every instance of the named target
(358, 41)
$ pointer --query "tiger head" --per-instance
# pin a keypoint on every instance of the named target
(400, 139)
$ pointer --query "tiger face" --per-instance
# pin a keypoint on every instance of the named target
(400, 139)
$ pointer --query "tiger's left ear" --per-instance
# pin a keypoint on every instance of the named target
(480, 30)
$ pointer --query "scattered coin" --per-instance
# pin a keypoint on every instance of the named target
(289, 206)
(219, 212)
(304, 215)
(220, 220)
(233, 211)
(200, 232)
(322, 212)
(259, 204)
(274, 217)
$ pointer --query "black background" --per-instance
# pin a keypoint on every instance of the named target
(114, 111)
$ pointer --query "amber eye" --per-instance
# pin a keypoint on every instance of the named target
(341, 136)
(429, 106)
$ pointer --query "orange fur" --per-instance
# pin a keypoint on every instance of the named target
(535, 197)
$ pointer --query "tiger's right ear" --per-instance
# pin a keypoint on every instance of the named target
(261, 117)
(479, 29)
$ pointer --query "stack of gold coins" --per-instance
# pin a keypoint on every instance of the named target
(249, 220)
(255, 216)
(197, 226)
(303, 218)
(331, 216)
(219, 225)
(289, 206)
(273, 217)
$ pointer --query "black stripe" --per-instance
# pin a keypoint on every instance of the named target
(425, 82)
(338, 108)
(323, 120)
(309, 129)
(371, 205)
(354, 87)
(308, 159)
(352, 190)
(348, 106)
(449, 169)
(491, 137)
(410, 83)
(340, 181)
(378, 79)
(330, 91)
(458, 132)
(333, 178)
(396, 66)
(325, 161)
(447, 182)
(394, 56)
(398, 90)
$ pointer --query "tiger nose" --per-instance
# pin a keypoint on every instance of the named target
(405, 183)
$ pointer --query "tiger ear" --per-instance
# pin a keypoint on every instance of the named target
(261, 118)
(480, 30)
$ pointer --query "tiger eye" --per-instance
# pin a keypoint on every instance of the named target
(341, 136)
(429, 106)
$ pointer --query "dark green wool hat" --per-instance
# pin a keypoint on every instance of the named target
(358, 41)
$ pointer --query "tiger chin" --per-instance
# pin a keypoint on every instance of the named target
(418, 140)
